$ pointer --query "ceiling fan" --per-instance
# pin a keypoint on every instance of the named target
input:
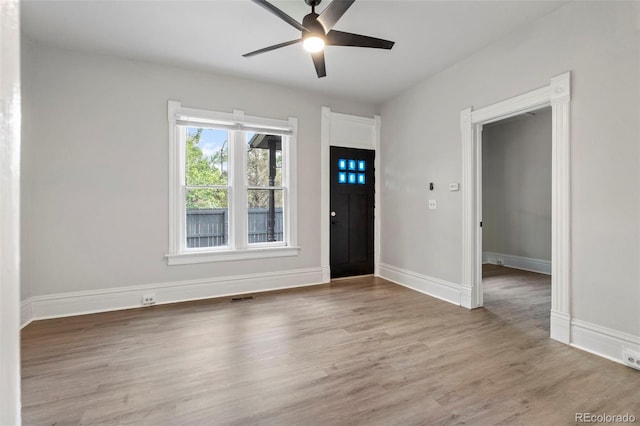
(317, 32)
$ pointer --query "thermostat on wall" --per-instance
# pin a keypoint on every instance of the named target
(454, 187)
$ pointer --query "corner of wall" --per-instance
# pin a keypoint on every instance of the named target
(25, 172)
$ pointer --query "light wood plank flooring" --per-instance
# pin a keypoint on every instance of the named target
(361, 351)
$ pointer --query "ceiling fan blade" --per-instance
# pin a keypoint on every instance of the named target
(280, 14)
(339, 38)
(318, 62)
(332, 13)
(270, 48)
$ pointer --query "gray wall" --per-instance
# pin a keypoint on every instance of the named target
(599, 43)
(516, 186)
(96, 172)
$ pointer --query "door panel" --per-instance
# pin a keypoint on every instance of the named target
(352, 206)
(339, 229)
(358, 227)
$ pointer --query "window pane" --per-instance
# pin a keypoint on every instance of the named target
(265, 215)
(264, 159)
(207, 218)
(207, 156)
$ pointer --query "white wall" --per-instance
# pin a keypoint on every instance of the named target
(598, 42)
(9, 212)
(516, 186)
(25, 186)
(98, 167)
(638, 125)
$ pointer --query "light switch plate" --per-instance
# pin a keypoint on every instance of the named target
(454, 187)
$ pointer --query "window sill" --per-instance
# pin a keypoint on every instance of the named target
(188, 258)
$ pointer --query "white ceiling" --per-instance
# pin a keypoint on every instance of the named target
(212, 35)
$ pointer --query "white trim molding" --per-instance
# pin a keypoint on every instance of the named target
(349, 131)
(560, 98)
(237, 124)
(517, 262)
(325, 193)
(592, 338)
(434, 287)
(377, 233)
(26, 314)
(119, 298)
(560, 326)
(230, 255)
(10, 122)
(557, 95)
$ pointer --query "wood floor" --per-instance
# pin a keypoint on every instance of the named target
(361, 351)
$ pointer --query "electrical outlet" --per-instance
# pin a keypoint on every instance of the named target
(631, 359)
(433, 205)
(148, 299)
(500, 262)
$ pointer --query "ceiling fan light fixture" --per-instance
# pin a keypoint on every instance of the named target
(313, 44)
(317, 32)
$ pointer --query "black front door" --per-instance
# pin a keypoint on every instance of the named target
(352, 202)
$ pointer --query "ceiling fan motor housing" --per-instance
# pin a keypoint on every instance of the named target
(311, 23)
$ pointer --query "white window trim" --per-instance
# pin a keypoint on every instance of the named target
(238, 248)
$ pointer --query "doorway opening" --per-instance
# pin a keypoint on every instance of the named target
(557, 95)
(516, 157)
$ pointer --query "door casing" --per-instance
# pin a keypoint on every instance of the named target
(557, 95)
(349, 131)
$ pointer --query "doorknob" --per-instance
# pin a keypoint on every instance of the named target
(333, 214)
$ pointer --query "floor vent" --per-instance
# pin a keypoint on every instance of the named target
(241, 299)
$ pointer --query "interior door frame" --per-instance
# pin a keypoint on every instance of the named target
(348, 131)
(10, 112)
(557, 95)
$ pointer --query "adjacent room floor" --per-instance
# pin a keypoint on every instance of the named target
(359, 351)
(518, 296)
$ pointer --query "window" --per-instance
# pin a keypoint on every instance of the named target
(232, 181)
(350, 177)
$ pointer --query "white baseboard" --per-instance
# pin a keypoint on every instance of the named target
(114, 299)
(26, 314)
(435, 287)
(602, 341)
(560, 327)
(465, 297)
(326, 274)
(518, 262)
